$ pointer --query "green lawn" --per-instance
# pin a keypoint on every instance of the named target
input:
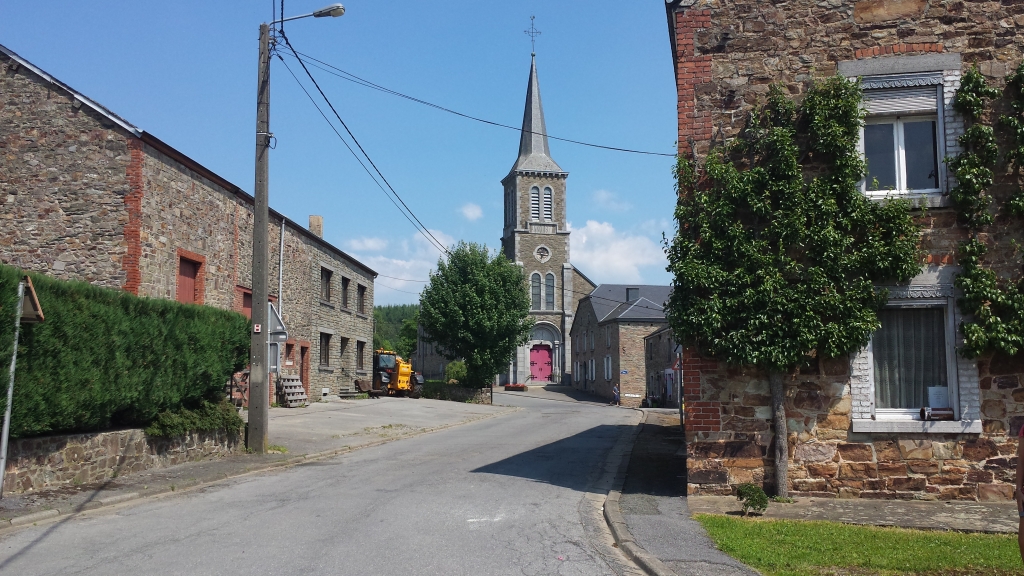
(797, 548)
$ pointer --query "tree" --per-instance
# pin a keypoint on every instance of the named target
(777, 251)
(406, 343)
(476, 308)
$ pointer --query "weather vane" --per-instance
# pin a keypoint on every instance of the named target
(532, 33)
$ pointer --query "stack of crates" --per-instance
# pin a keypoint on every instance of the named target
(294, 393)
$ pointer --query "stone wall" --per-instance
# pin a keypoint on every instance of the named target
(54, 461)
(63, 181)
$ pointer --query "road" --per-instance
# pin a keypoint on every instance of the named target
(514, 494)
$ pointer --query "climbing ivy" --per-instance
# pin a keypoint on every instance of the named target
(1015, 125)
(998, 310)
(973, 166)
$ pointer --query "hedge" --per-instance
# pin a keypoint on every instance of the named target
(105, 359)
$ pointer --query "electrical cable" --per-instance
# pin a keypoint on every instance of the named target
(395, 289)
(402, 279)
(358, 145)
(335, 71)
(429, 238)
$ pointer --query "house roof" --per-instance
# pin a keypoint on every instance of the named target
(177, 155)
(610, 304)
(534, 154)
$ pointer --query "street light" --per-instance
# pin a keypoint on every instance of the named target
(259, 388)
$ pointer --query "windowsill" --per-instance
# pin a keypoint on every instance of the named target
(917, 199)
(362, 315)
(326, 303)
(326, 369)
(361, 372)
(918, 426)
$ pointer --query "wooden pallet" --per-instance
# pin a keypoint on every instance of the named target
(294, 393)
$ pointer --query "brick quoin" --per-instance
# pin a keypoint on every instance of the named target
(692, 71)
(133, 229)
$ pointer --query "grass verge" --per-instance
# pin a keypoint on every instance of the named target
(798, 548)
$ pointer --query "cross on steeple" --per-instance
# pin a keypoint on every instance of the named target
(532, 33)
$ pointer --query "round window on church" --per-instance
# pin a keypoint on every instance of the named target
(542, 254)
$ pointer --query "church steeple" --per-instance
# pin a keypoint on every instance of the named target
(534, 155)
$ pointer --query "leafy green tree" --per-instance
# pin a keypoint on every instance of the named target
(476, 308)
(406, 345)
(777, 251)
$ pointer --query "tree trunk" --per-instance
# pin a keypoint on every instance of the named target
(781, 433)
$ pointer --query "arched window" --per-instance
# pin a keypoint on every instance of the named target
(549, 292)
(535, 290)
(547, 204)
(534, 203)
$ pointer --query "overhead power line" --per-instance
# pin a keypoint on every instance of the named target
(335, 71)
(407, 212)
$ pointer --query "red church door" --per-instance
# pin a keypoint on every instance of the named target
(540, 362)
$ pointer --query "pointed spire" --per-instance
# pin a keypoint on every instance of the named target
(534, 155)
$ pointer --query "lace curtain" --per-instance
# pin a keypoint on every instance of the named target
(910, 355)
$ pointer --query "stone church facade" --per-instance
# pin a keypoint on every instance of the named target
(536, 237)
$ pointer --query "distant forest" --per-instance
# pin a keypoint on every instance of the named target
(395, 328)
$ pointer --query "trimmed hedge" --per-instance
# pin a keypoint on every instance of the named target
(105, 359)
(209, 417)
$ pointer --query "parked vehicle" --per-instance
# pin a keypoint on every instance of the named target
(394, 377)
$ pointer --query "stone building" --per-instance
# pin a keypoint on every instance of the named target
(854, 423)
(85, 195)
(663, 364)
(608, 339)
(536, 237)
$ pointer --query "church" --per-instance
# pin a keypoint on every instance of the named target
(536, 237)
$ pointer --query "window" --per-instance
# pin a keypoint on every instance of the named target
(909, 353)
(592, 334)
(608, 337)
(535, 291)
(608, 367)
(289, 354)
(344, 292)
(325, 284)
(361, 298)
(547, 204)
(188, 285)
(325, 349)
(534, 203)
(632, 294)
(902, 135)
(360, 355)
(549, 292)
(342, 348)
(592, 371)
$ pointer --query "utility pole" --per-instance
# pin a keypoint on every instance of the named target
(259, 386)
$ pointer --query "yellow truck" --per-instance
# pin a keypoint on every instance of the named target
(393, 376)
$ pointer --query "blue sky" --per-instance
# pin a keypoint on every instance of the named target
(186, 72)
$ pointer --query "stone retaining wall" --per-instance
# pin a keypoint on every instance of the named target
(51, 461)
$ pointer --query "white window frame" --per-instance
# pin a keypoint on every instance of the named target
(534, 204)
(608, 367)
(897, 120)
(592, 371)
(961, 380)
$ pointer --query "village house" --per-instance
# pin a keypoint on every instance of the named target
(855, 423)
(608, 339)
(85, 195)
(663, 363)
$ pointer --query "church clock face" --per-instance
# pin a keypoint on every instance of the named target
(542, 254)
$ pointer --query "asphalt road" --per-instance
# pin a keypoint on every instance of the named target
(515, 494)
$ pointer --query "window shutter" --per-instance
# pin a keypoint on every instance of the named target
(535, 204)
(901, 100)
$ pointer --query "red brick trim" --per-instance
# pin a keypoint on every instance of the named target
(133, 228)
(703, 416)
(691, 71)
(200, 275)
(898, 49)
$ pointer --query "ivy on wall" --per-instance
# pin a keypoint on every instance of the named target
(996, 306)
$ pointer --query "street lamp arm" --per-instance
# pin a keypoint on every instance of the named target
(334, 10)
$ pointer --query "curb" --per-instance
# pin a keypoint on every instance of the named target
(617, 523)
(7, 525)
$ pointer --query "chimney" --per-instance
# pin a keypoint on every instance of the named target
(316, 225)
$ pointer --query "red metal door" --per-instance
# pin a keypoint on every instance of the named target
(187, 273)
(540, 362)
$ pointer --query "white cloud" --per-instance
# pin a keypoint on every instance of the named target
(610, 201)
(472, 212)
(365, 244)
(609, 256)
(405, 269)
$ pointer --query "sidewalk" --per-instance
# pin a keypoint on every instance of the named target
(320, 430)
(656, 515)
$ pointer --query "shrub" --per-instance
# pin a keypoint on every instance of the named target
(208, 417)
(104, 358)
(455, 371)
(753, 498)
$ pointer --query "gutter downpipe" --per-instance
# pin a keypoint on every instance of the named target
(280, 274)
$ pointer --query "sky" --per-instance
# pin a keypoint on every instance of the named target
(185, 71)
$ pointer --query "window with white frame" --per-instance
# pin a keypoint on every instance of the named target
(591, 370)
(902, 136)
(608, 367)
